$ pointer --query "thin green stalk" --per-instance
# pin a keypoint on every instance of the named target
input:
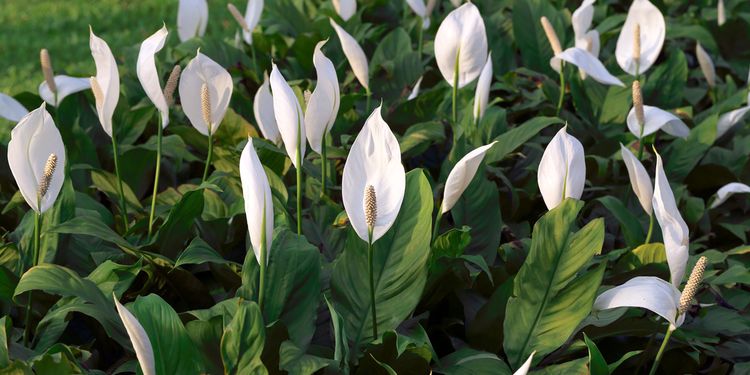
(650, 228)
(34, 262)
(562, 90)
(368, 93)
(255, 61)
(661, 351)
(156, 179)
(263, 260)
(454, 114)
(299, 193)
(323, 167)
(436, 229)
(210, 152)
(123, 207)
(420, 36)
(372, 285)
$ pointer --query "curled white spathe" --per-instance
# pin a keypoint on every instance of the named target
(647, 292)
(66, 85)
(706, 64)
(354, 54)
(673, 228)
(727, 191)
(252, 16)
(374, 160)
(148, 75)
(656, 119)
(482, 94)
(289, 117)
(192, 18)
(199, 71)
(11, 109)
(421, 10)
(108, 79)
(461, 175)
(345, 8)
(258, 200)
(32, 141)
(264, 114)
(639, 179)
(323, 106)
(585, 39)
(587, 63)
(728, 120)
(562, 170)
(415, 90)
(653, 32)
(138, 337)
(461, 38)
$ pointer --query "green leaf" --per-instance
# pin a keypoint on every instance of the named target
(479, 208)
(629, 224)
(5, 328)
(107, 183)
(529, 35)
(243, 340)
(295, 361)
(578, 366)
(292, 284)
(176, 229)
(597, 364)
(419, 137)
(174, 352)
(469, 361)
(665, 85)
(518, 136)
(550, 296)
(341, 342)
(199, 252)
(400, 263)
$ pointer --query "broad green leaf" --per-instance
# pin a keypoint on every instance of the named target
(176, 228)
(597, 364)
(529, 35)
(578, 367)
(107, 183)
(243, 340)
(174, 352)
(199, 252)
(340, 339)
(295, 361)
(292, 284)
(469, 361)
(5, 328)
(665, 85)
(629, 224)
(516, 137)
(399, 262)
(552, 294)
(479, 208)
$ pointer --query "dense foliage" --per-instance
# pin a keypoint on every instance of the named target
(472, 281)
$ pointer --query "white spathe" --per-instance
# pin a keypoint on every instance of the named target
(482, 94)
(415, 90)
(11, 109)
(32, 141)
(374, 160)
(562, 170)
(706, 64)
(345, 8)
(461, 175)
(66, 85)
(323, 106)
(108, 79)
(258, 201)
(138, 337)
(653, 32)
(149, 76)
(199, 71)
(656, 119)
(354, 54)
(264, 114)
(461, 39)
(639, 179)
(648, 292)
(727, 191)
(252, 17)
(289, 117)
(673, 228)
(588, 63)
(192, 19)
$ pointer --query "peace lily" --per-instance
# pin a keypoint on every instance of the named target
(258, 208)
(55, 88)
(139, 338)
(482, 95)
(644, 120)
(290, 121)
(658, 296)
(11, 109)
(585, 38)
(721, 13)
(192, 19)
(345, 8)
(264, 113)
(253, 12)
(356, 57)
(706, 64)
(422, 10)
(147, 74)
(673, 227)
(641, 183)
(727, 191)
(373, 187)
(323, 107)
(728, 120)
(205, 91)
(641, 38)
(106, 89)
(562, 170)
(461, 48)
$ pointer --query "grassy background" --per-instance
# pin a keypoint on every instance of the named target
(61, 26)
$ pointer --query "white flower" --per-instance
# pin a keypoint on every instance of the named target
(639, 179)
(588, 63)
(258, 201)
(673, 227)
(461, 175)
(656, 119)
(264, 114)
(415, 90)
(192, 18)
(289, 117)
(147, 74)
(66, 85)
(252, 16)
(345, 8)
(482, 95)
(11, 109)
(354, 54)
(653, 31)
(107, 79)
(461, 39)
(727, 191)
(562, 170)
(374, 161)
(323, 106)
(138, 337)
(200, 71)
(706, 64)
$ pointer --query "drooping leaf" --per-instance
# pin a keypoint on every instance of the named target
(243, 340)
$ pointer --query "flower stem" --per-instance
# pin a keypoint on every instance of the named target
(368, 94)
(420, 36)
(156, 179)
(372, 285)
(263, 260)
(34, 262)
(123, 207)
(655, 366)
(323, 167)
(299, 193)
(438, 216)
(210, 153)
(255, 61)
(650, 228)
(562, 90)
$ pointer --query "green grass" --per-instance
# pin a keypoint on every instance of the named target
(62, 27)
